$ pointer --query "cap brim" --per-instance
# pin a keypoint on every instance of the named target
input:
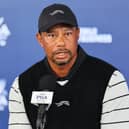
(52, 23)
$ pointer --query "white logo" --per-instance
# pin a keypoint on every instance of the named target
(91, 35)
(3, 94)
(56, 11)
(67, 103)
(41, 97)
(4, 32)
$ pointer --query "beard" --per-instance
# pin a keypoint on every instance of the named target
(61, 62)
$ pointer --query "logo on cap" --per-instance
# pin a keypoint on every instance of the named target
(56, 11)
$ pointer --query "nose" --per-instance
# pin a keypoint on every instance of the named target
(60, 40)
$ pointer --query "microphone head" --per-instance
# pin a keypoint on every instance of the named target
(47, 82)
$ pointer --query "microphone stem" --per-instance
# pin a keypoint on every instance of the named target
(41, 117)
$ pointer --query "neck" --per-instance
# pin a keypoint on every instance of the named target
(63, 70)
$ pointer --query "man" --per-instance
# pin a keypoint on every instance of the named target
(88, 92)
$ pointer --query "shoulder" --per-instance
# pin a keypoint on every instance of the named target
(35, 68)
(95, 67)
(31, 76)
(99, 64)
(28, 80)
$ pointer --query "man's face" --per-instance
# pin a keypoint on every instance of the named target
(60, 44)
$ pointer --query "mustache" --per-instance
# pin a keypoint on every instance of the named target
(61, 51)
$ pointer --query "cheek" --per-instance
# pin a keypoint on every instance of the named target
(73, 45)
(48, 50)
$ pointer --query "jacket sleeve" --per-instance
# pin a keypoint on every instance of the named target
(17, 115)
(115, 111)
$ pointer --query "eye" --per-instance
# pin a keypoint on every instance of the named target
(51, 35)
(68, 33)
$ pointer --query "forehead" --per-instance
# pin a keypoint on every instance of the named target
(60, 26)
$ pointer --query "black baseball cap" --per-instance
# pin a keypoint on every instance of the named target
(56, 14)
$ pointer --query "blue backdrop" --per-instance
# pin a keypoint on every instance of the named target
(104, 34)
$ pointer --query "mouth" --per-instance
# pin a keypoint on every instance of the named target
(61, 55)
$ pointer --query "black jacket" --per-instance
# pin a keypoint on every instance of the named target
(85, 90)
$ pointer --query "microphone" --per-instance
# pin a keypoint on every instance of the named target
(43, 97)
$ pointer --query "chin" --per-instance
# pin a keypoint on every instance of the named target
(61, 63)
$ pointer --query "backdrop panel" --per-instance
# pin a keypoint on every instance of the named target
(104, 34)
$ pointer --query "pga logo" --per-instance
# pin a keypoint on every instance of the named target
(41, 97)
(3, 95)
(4, 32)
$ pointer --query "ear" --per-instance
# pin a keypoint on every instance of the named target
(39, 39)
(78, 33)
